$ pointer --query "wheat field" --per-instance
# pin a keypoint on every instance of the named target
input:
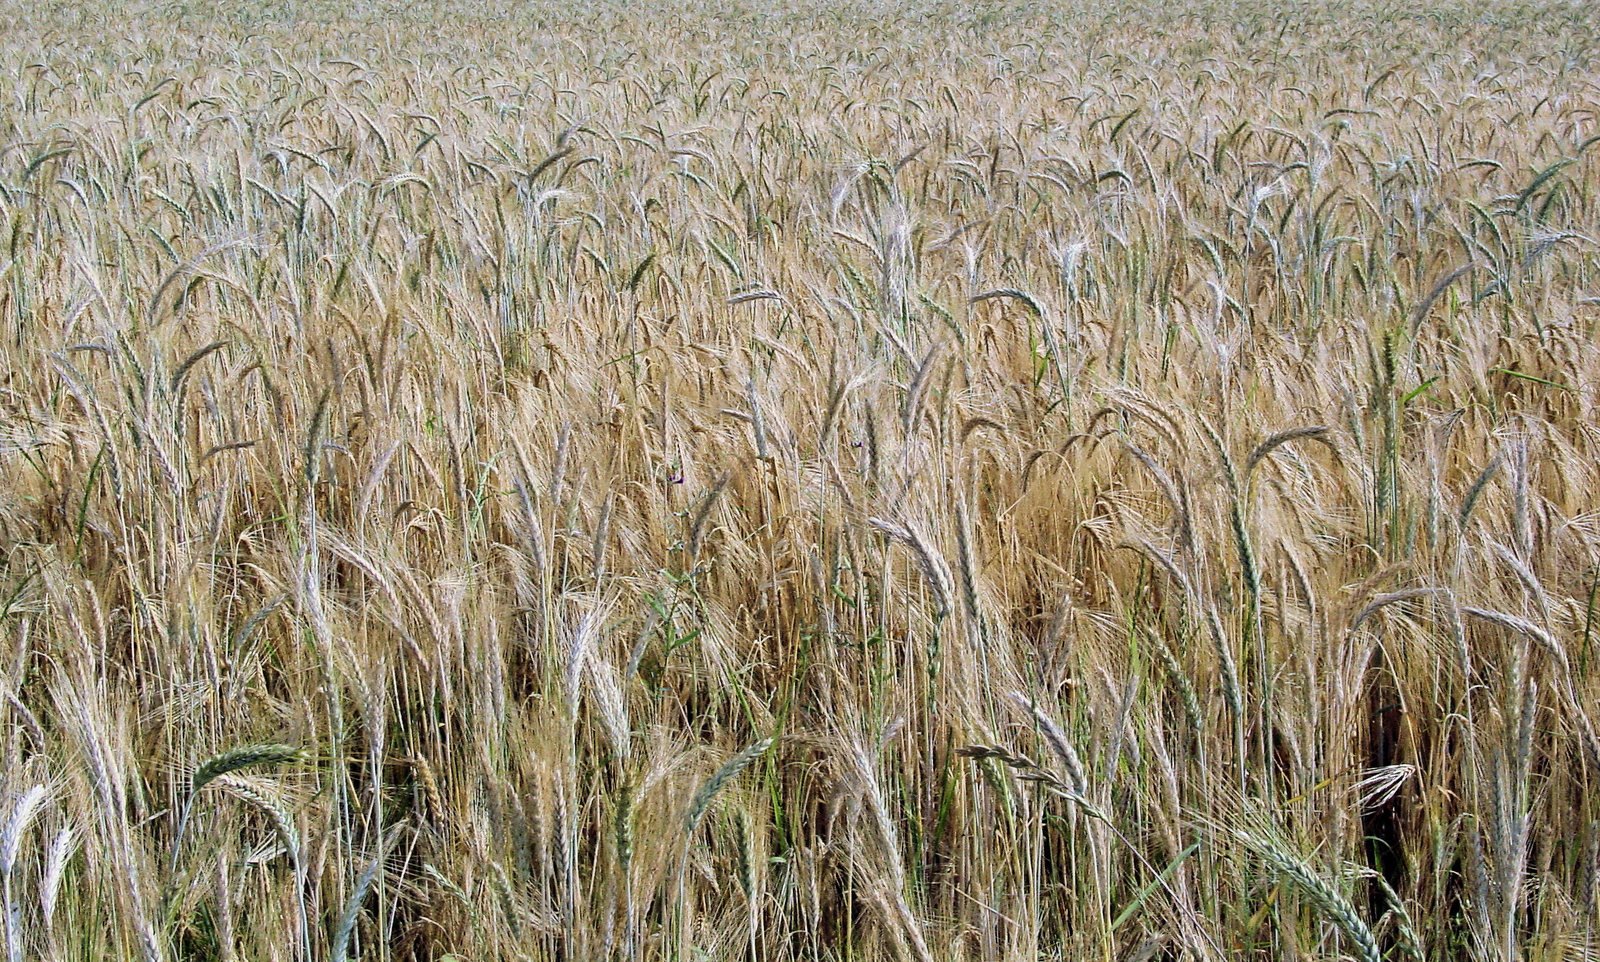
(841, 481)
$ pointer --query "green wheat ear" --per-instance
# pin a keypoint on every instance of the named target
(224, 763)
(340, 947)
(245, 756)
(720, 779)
(1328, 899)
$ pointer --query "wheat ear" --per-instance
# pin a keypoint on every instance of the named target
(223, 763)
(719, 780)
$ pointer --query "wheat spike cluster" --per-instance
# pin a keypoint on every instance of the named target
(831, 481)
